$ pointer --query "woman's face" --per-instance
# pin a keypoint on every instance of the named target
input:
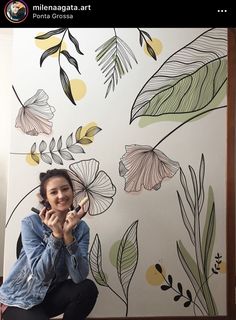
(15, 8)
(59, 194)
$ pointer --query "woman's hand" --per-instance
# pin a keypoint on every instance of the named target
(72, 219)
(52, 221)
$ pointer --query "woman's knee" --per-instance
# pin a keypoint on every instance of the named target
(91, 288)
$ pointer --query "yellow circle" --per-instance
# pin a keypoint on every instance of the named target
(154, 277)
(45, 44)
(156, 45)
(78, 88)
(33, 161)
(223, 267)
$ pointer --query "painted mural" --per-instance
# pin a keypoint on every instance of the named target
(138, 118)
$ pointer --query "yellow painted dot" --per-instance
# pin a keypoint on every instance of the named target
(45, 44)
(223, 267)
(154, 277)
(156, 45)
(32, 160)
(78, 88)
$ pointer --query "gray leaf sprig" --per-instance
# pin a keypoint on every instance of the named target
(56, 153)
(65, 82)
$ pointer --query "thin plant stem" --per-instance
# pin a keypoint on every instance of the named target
(183, 123)
(18, 97)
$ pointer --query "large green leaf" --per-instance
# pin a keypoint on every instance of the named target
(127, 257)
(188, 80)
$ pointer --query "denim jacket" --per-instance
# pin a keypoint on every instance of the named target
(43, 262)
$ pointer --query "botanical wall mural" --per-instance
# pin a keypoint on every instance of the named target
(138, 118)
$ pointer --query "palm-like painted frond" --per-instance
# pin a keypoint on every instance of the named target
(114, 58)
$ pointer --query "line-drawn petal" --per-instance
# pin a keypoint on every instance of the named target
(143, 166)
(97, 203)
(94, 184)
(33, 118)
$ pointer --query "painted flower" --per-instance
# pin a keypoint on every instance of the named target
(143, 166)
(94, 184)
(33, 117)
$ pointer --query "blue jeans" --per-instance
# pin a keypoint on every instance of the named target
(75, 301)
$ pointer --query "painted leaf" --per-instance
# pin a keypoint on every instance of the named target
(189, 294)
(151, 51)
(52, 144)
(84, 141)
(42, 146)
(70, 59)
(184, 184)
(191, 270)
(91, 132)
(35, 157)
(69, 140)
(201, 195)
(33, 148)
(59, 143)
(188, 80)
(158, 267)
(187, 304)
(95, 262)
(209, 232)
(56, 158)
(75, 148)
(186, 219)
(65, 82)
(49, 52)
(170, 279)
(127, 257)
(46, 158)
(50, 33)
(180, 288)
(176, 298)
(75, 42)
(165, 287)
(66, 155)
(78, 134)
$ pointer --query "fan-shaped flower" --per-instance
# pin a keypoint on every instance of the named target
(145, 166)
(33, 117)
(94, 184)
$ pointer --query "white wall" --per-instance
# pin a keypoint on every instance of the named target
(5, 85)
